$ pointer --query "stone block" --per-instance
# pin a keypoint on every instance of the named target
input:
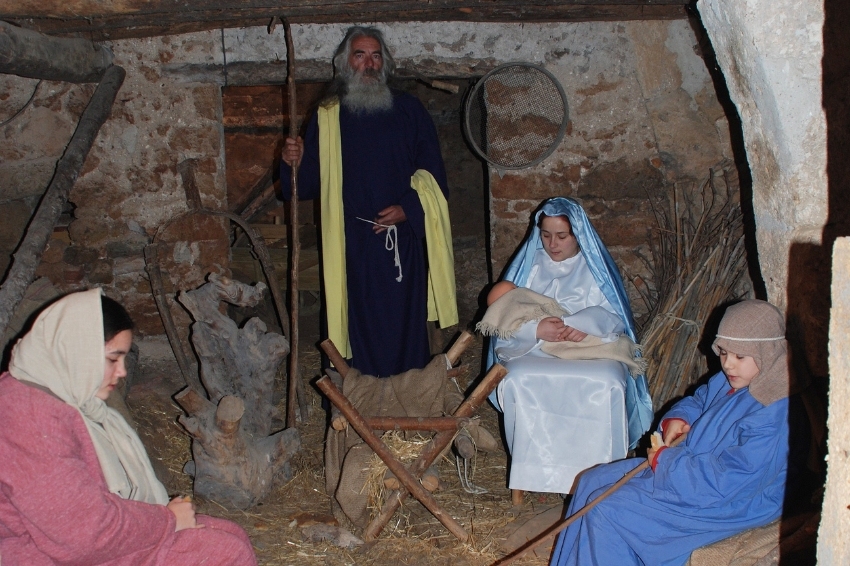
(100, 273)
(55, 251)
(622, 179)
(80, 255)
(207, 102)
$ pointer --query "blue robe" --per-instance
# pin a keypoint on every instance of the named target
(380, 152)
(727, 476)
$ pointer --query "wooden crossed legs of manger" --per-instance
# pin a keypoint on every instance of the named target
(445, 428)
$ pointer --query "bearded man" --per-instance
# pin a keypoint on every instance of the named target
(372, 156)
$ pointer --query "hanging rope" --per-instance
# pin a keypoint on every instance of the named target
(390, 243)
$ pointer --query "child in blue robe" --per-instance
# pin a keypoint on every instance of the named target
(728, 475)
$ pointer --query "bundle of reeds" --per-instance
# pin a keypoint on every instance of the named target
(699, 262)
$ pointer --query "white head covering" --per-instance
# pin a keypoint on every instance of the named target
(64, 352)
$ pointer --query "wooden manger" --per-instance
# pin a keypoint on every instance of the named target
(345, 414)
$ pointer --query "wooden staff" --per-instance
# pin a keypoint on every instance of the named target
(294, 243)
(558, 527)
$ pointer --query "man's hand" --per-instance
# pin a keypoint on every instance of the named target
(390, 216)
(293, 150)
(550, 329)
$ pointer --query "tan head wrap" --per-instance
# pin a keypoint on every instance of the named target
(64, 352)
(757, 328)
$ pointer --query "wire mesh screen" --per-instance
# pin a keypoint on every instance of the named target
(516, 115)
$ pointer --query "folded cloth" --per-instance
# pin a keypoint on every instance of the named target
(519, 306)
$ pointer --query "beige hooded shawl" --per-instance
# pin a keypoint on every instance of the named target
(757, 328)
(64, 353)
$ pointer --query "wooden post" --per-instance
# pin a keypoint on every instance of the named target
(29, 253)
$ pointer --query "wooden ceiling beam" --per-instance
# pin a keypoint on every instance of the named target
(27, 53)
(133, 18)
(73, 9)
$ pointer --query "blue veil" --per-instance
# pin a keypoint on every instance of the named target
(607, 276)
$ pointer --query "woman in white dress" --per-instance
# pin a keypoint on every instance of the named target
(564, 416)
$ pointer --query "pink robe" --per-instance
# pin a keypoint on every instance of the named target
(55, 506)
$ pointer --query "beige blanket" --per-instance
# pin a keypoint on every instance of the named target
(518, 306)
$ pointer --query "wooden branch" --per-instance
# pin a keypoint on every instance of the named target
(397, 468)
(335, 357)
(256, 198)
(27, 53)
(422, 424)
(29, 253)
(463, 342)
(229, 414)
(192, 401)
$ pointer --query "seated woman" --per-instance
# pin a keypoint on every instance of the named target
(728, 475)
(564, 416)
(76, 485)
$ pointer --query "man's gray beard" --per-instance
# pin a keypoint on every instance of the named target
(367, 97)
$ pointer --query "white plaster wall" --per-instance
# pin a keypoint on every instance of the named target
(770, 52)
(834, 532)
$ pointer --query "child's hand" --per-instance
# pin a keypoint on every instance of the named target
(673, 429)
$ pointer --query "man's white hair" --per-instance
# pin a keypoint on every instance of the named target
(347, 85)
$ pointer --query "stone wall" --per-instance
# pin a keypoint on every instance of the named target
(130, 185)
(644, 116)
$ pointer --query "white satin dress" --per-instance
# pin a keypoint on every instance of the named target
(562, 416)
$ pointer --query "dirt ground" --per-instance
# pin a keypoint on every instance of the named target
(413, 536)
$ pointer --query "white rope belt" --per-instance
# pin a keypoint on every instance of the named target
(390, 243)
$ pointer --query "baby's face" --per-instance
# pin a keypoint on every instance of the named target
(739, 370)
(557, 237)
